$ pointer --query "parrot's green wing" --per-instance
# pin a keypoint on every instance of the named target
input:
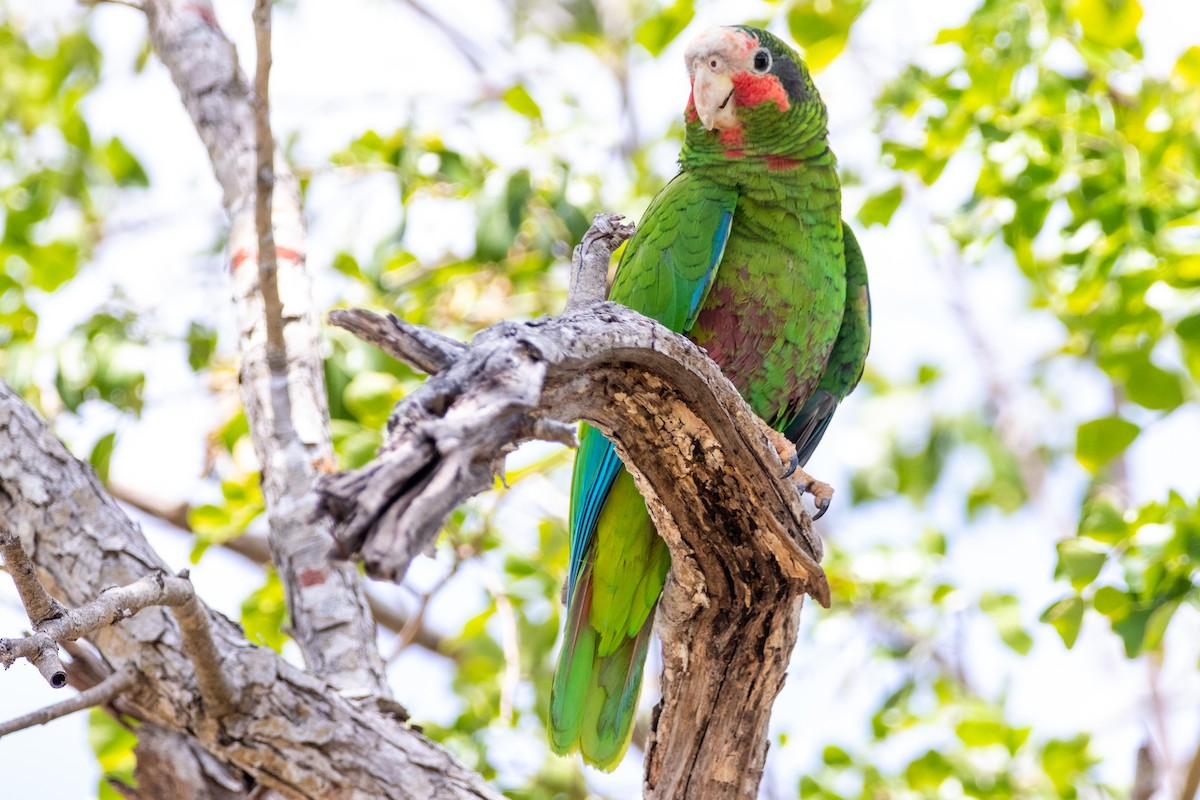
(845, 366)
(664, 273)
(617, 562)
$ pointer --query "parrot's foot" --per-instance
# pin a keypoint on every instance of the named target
(822, 492)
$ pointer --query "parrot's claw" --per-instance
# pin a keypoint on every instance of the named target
(793, 465)
(822, 492)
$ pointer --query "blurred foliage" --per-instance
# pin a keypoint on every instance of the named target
(1080, 165)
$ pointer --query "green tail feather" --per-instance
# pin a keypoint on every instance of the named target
(594, 698)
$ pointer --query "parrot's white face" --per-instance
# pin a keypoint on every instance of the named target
(713, 59)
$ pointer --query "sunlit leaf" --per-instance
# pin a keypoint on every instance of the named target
(1066, 616)
(1102, 440)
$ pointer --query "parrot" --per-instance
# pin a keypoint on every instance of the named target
(745, 252)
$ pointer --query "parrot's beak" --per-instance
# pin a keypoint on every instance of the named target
(712, 92)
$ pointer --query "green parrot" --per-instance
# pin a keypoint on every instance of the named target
(746, 253)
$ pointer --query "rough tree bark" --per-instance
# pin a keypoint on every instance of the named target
(287, 730)
(743, 552)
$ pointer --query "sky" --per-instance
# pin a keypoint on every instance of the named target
(341, 68)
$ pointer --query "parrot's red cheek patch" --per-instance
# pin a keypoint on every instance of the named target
(689, 113)
(752, 90)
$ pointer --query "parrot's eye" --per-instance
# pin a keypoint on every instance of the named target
(762, 61)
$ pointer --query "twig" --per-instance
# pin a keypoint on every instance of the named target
(415, 622)
(113, 605)
(39, 605)
(264, 190)
(419, 347)
(100, 694)
(215, 687)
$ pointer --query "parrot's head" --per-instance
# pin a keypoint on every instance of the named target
(751, 95)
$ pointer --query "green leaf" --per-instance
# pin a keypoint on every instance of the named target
(1004, 610)
(1066, 616)
(124, 167)
(1064, 761)
(836, 757)
(201, 343)
(519, 100)
(929, 771)
(879, 208)
(113, 745)
(101, 455)
(1108, 23)
(657, 32)
(982, 732)
(822, 28)
(1152, 387)
(1111, 602)
(1080, 560)
(1156, 624)
(264, 613)
(1102, 440)
(1188, 66)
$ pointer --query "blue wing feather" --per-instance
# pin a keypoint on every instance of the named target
(596, 468)
(597, 464)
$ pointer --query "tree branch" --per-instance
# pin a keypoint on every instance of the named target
(742, 547)
(39, 606)
(287, 410)
(98, 695)
(289, 731)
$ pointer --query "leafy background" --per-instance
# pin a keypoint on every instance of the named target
(1014, 546)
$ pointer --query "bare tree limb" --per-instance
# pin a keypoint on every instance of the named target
(329, 616)
(98, 695)
(39, 606)
(742, 548)
(290, 731)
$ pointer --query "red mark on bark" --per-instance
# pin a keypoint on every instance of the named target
(281, 254)
(751, 90)
(311, 577)
(238, 258)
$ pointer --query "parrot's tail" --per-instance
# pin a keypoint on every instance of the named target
(594, 698)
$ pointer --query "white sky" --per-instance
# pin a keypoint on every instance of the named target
(341, 68)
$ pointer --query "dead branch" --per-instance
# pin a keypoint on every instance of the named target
(39, 606)
(743, 550)
(98, 695)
